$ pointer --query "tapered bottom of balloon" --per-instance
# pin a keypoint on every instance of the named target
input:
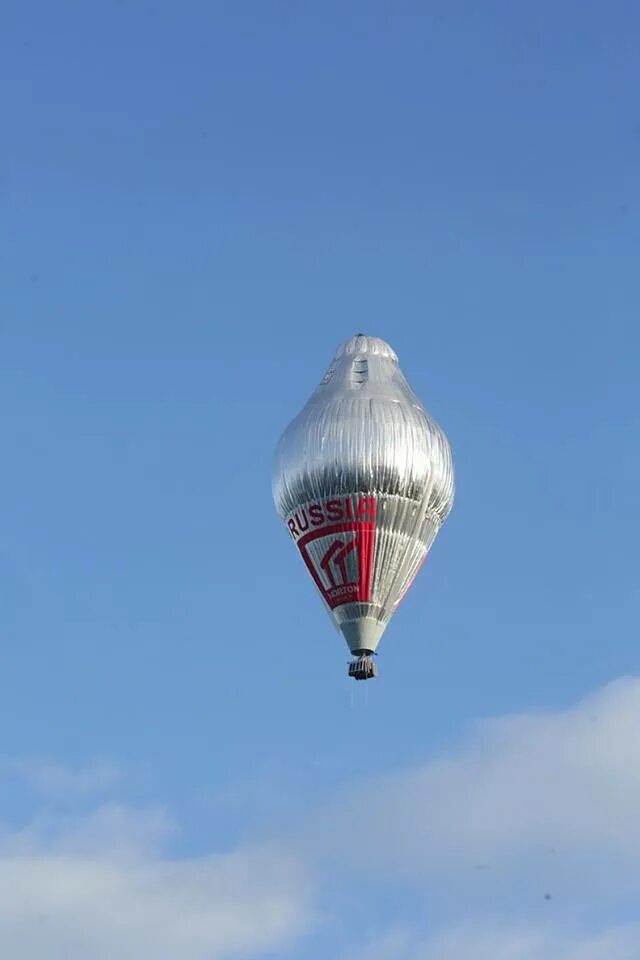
(363, 635)
(363, 668)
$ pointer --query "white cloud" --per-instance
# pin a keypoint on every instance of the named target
(560, 788)
(98, 887)
(93, 909)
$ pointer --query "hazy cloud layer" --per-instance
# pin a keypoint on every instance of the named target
(539, 813)
(197, 910)
(99, 887)
(557, 789)
(58, 781)
(110, 830)
(523, 942)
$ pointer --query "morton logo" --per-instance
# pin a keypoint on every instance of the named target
(339, 557)
(335, 561)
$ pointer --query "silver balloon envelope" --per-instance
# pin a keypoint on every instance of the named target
(363, 479)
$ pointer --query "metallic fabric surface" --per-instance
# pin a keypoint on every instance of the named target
(363, 478)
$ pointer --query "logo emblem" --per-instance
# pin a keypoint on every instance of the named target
(335, 559)
(339, 557)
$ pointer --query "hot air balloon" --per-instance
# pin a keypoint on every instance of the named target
(363, 479)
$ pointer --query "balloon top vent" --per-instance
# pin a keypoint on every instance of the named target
(373, 346)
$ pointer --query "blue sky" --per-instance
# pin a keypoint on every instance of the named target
(199, 202)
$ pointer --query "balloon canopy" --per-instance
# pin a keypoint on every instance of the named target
(363, 479)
